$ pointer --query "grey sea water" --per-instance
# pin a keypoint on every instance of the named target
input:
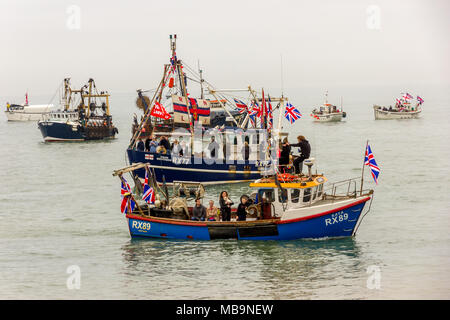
(60, 206)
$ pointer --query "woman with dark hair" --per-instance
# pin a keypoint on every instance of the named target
(225, 206)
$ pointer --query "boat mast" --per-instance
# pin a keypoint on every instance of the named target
(200, 71)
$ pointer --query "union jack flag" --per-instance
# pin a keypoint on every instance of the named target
(407, 96)
(270, 114)
(242, 107)
(291, 113)
(125, 193)
(148, 195)
(420, 100)
(369, 160)
(253, 114)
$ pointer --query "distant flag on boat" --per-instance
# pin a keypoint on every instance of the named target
(149, 194)
(26, 98)
(127, 201)
(407, 96)
(420, 100)
(241, 106)
(369, 160)
(399, 101)
(291, 113)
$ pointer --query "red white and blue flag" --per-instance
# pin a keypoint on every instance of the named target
(241, 106)
(148, 195)
(291, 113)
(407, 96)
(127, 202)
(369, 160)
(253, 114)
(270, 114)
(420, 100)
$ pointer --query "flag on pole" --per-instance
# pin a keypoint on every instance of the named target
(420, 100)
(26, 98)
(270, 115)
(407, 96)
(241, 106)
(127, 202)
(369, 160)
(291, 113)
(253, 114)
(159, 111)
(148, 195)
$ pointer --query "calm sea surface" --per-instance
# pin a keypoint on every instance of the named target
(60, 206)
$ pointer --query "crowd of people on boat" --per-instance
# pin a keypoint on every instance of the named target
(223, 213)
(399, 108)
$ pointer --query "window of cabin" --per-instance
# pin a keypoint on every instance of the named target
(319, 191)
(282, 196)
(268, 196)
(307, 195)
(295, 195)
(314, 193)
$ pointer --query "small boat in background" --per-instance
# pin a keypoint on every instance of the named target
(78, 121)
(328, 112)
(26, 112)
(403, 109)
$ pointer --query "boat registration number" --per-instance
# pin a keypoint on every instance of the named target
(336, 218)
(140, 225)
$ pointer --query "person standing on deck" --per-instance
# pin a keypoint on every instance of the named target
(305, 150)
(225, 206)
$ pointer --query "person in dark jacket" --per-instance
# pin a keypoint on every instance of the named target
(225, 206)
(147, 144)
(165, 143)
(284, 155)
(242, 210)
(198, 211)
(140, 145)
(305, 150)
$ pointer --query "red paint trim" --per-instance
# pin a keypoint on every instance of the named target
(190, 223)
(324, 213)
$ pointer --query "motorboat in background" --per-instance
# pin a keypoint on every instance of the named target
(26, 112)
(328, 112)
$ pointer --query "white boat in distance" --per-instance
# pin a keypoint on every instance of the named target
(403, 109)
(328, 112)
(25, 112)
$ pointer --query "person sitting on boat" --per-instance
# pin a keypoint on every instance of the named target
(305, 150)
(284, 155)
(211, 211)
(225, 206)
(140, 145)
(198, 211)
(242, 209)
(161, 149)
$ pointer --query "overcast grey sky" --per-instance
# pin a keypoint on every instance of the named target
(123, 44)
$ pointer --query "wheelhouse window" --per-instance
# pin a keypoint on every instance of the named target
(319, 191)
(307, 195)
(295, 195)
(283, 196)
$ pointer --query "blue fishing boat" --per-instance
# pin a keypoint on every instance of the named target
(281, 208)
(172, 109)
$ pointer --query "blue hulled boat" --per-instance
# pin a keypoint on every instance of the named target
(300, 208)
(91, 121)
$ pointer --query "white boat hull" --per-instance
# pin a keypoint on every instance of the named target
(28, 113)
(381, 114)
(329, 117)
